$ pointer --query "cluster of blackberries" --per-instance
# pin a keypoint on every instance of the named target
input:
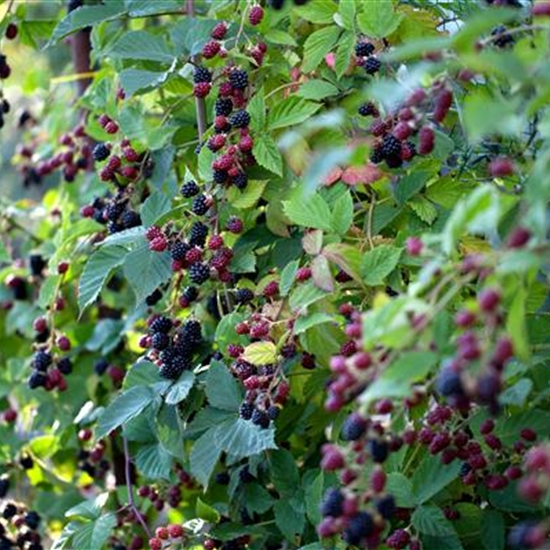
(202, 79)
(114, 212)
(73, 157)
(19, 527)
(92, 461)
(501, 38)
(127, 166)
(364, 52)
(259, 416)
(172, 347)
(49, 371)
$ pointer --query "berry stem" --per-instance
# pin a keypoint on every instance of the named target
(131, 502)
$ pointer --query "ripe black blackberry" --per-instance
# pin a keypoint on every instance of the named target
(201, 74)
(161, 324)
(101, 366)
(9, 510)
(4, 486)
(192, 331)
(372, 65)
(368, 109)
(246, 411)
(199, 232)
(260, 418)
(65, 365)
(189, 189)
(332, 503)
(219, 176)
(502, 37)
(394, 161)
(240, 180)
(200, 205)
(114, 227)
(153, 298)
(391, 146)
(378, 450)
(32, 519)
(41, 360)
(244, 295)
(160, 340)
(222, 478)
(199, 273)
(37, 264)
(238, 79)
(178, 250)
(273, 412)
(130, 219)
(101, 152)
(113, 210)
(191, 293)
(353, 428)
(359, 527)
(386, 506)
(223, 106)
(5, 106)
(240, 119)
(364, 49)
(377, 156)
(171, 370)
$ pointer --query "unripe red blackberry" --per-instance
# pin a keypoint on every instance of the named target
(426, 140)
(541, 9)
(528, 434)
(488, 300)
(63, 343)
(256, 15)
(378, 127)
(211, 49)
(111, 127)
(246, 143)
(40, 324)
(518, 238)
(202, 89)
(175, 531)
(234, 225)
(158, 244)
(219, 31)
(414, 246)
(271, 289)
(303, 274)
(501, 167)
(155, 543)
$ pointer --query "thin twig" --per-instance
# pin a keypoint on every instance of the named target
(131, 501)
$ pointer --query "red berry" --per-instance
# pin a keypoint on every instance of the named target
(256, 15)
(202, 89)
(62, 267)
(211, 49)
(234, 225)
(402, 131)
(85, 434)
(528, 434)
(159, 244)
(162, 533)
(130, 154)
(378, 479)
(175, 531)
(541, 9)
(219, 31)
(155, 544)
(63, 343)
(488, 299)
(271, 289)
(10, 415)
(518, 238)
(332, 459)
(513, 472)
(303, 274)
(40, 324)
(530, 489)
(111, 127)
(501, 167)
(414, 246)
(487, 426)
(215, 242)
(153, 232)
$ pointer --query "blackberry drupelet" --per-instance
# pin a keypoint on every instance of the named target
(364, 49)
(161, 324)
(199, 232)
(240, 119)
(223, 106)
(238, 79)
(100, 152)
(200, 205)
(199, 273)
(189, 189)
(202, 74)
(372, 65)
(246, 411)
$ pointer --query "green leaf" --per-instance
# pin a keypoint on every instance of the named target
(423, 208)
(342, 213)
(400, 487)
(94, 535)
(347, 12)
(206, 512)
(87, 16)
(284, 472)
(249, 197)
(142, 45)
(304, 323)
(432, 521)
(204, 457)
(313, 494)
(155, 206)
(125, 406)
(260, 353)
(130, 236)
(517, 394)
(378, 263)
(142, 8)
(396, 379)
(516, 325)
(304, 295)
(180, 389)
(312, 211)
(267, 154)
(410, 185)
(379, 20)
(146, 270)
(89, 509)
(320, 12)
(142, 373)
(289, 520)
(256, 110)
(96, 272)
(222, 390)
(287, 277)
(225, 331)
(493, 531)
(241, 438)
(291, 111)
(346, 257)
(257, 499)
(431, 476)
(346, 48)
(321, 274)
(153, 461)
(317, 45)
(317, 90)
(137, 80)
